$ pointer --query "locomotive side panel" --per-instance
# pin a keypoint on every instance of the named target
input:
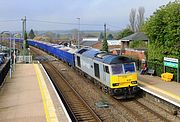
(93, 68)
(84, 64)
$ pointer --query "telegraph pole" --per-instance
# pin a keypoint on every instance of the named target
(105, 31)
(78, 31)
(23, 26)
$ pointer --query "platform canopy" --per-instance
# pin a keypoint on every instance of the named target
(135, 36)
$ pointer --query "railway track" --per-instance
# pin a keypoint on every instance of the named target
(131, 110)
(80, 111)
(138, 110)
(141, 112)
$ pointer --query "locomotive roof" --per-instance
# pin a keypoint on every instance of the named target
(115, 59)
(103, 56)
(91, 53)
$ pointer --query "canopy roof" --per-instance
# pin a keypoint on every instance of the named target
(135, 36)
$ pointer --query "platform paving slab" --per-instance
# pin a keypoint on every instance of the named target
(169, 90)
(20, 97)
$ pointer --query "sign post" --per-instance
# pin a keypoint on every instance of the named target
(172, 62)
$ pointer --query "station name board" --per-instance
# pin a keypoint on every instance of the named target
(171, 62)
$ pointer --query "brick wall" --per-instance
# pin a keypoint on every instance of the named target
(135, 54)
(99, 46)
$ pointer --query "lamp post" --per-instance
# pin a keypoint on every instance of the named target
(23, 33)
(14, 50)
(9, 50)
(78, 30)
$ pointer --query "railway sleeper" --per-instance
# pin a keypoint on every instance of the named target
(82, 112)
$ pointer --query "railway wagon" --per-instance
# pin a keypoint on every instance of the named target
(116, 74)
(63, 53)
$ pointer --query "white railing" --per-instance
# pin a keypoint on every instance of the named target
(134, 50)
(24, 59)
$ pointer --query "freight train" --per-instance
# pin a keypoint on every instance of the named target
(115, 74)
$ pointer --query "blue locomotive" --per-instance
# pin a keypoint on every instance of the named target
(114, 74)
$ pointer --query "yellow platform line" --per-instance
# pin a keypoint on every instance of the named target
(160, 90)
(46, 98)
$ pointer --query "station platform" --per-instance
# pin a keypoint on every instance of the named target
(168, 91)
(30, 96)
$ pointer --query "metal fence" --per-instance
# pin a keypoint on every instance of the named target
(24, 59)
(4, 71)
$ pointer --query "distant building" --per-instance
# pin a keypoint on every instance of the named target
(88, 42)
(133, 37)
(135, 53)
(90, 39)
(112, 44)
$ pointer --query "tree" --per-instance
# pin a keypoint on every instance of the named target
(138, 44)
(124, 33)
(163, 31)
(25, 35)
(25, 41)
(105, 45)
(101, 36)
(136, 20)
(132, 19)
(31, 34)
(110, 37)
(140, 18)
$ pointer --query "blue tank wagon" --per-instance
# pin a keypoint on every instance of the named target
(55, 50)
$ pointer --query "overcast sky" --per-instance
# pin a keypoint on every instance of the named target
(96, 12)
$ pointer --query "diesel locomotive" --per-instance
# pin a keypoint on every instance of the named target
(115, 74)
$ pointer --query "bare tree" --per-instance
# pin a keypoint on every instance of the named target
(140, 18)
(132, 19)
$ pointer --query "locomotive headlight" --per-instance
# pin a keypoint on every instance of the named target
(115, 84)
(134, 82)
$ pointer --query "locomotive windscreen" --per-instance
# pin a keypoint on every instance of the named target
(129, 67)
(117, 69)
(123, 68)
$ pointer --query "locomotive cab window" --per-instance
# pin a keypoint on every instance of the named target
(106, 69)
(96, 70)
(78, 61)
(129, 67)
(117, 69)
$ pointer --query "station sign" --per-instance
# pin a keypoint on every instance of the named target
(171, 59)
(171, 62)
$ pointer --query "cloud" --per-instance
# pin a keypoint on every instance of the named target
(114, 12)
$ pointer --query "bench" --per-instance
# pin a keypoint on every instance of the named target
(151, 71)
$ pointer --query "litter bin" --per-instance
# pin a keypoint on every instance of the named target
(167, 76)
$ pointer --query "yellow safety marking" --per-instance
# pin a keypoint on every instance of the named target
(47, 101)
(160, 90)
